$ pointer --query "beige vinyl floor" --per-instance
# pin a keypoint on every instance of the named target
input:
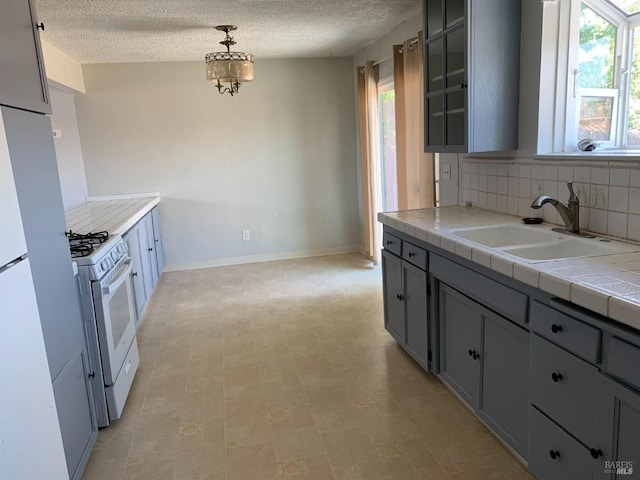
(283, 370)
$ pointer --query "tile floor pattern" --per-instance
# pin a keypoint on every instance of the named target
(283, 370)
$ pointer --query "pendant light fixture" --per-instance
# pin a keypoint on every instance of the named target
(229, 69)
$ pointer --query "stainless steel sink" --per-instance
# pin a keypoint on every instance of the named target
(539, 243)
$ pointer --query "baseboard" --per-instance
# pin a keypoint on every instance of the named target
(266, 257)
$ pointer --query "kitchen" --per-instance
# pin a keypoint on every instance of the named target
(144, 127)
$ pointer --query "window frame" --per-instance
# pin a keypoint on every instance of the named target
(559, 94)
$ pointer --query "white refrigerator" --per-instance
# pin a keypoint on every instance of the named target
(30, 439)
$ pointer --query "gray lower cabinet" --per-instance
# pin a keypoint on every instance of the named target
(392, 287)
(405, 306)
(157, 239)
(617, 447)
(557, 383)
(137, 275)
(23, 82)
(460, 344)
(553, 453)
(484, 358)
(145, 249)
(37, 182)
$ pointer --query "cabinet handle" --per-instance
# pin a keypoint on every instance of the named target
(134, 274)
(556, 377)
(554, 454)
(473, 354)
(595, 453)
(463, 86)
(40, 26)
(151, 249)
(556, 328)
(93, 375)
(389, 242)
(399, 297)
(412, 254)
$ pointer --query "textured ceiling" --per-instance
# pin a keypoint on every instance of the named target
(114, 31)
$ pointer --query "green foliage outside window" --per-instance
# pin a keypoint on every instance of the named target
(597, 50)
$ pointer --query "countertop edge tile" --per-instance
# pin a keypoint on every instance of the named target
(590, 298)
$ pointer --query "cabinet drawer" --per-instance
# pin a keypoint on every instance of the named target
(563, 387)
(574, 335)
(553, 454)
(623, 360)
(415, 255)
(392, 243)
(496, 296)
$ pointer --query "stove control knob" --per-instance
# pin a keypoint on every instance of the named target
(104, 265)
(114, 256)
(122, 249)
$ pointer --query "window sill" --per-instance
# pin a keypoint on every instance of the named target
(601, 155)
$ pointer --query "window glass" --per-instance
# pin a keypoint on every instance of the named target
(596, 54)
(627, 6)
(388, 165)
(596, 116)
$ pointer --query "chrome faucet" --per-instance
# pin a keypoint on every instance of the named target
(570, 215)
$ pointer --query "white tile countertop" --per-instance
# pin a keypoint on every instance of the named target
(115, 214)
(606, 284)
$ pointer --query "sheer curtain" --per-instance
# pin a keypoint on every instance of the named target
(369, 158)
(416, 176)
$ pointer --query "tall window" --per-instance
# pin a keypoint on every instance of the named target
(388, 166)
(604, 73)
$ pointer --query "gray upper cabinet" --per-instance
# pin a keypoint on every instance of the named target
(471, 75)
(23, 82)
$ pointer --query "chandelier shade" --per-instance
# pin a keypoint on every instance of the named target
(232, 68)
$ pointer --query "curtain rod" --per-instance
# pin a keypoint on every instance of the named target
(412, 43)
(382, 60)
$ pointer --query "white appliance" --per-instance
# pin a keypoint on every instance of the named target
(106, 297)
(30, 438)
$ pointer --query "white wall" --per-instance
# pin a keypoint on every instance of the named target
(277, 159)
(68, 151)
(61, 69)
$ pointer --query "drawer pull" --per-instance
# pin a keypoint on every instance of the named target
(473, 354)
(595, 453)
(399, 297)
(412, 254)
(554, 454)
(556, 328)
(556, 377)
(389, 242)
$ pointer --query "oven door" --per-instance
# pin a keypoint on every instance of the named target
(115, 318)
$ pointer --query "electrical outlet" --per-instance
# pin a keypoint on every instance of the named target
(246, 235)
(446, 171)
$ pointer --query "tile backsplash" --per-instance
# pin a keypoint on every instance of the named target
(609, 192)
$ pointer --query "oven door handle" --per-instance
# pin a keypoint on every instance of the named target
(118, 280)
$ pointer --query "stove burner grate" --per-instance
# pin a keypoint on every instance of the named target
(82, 244)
